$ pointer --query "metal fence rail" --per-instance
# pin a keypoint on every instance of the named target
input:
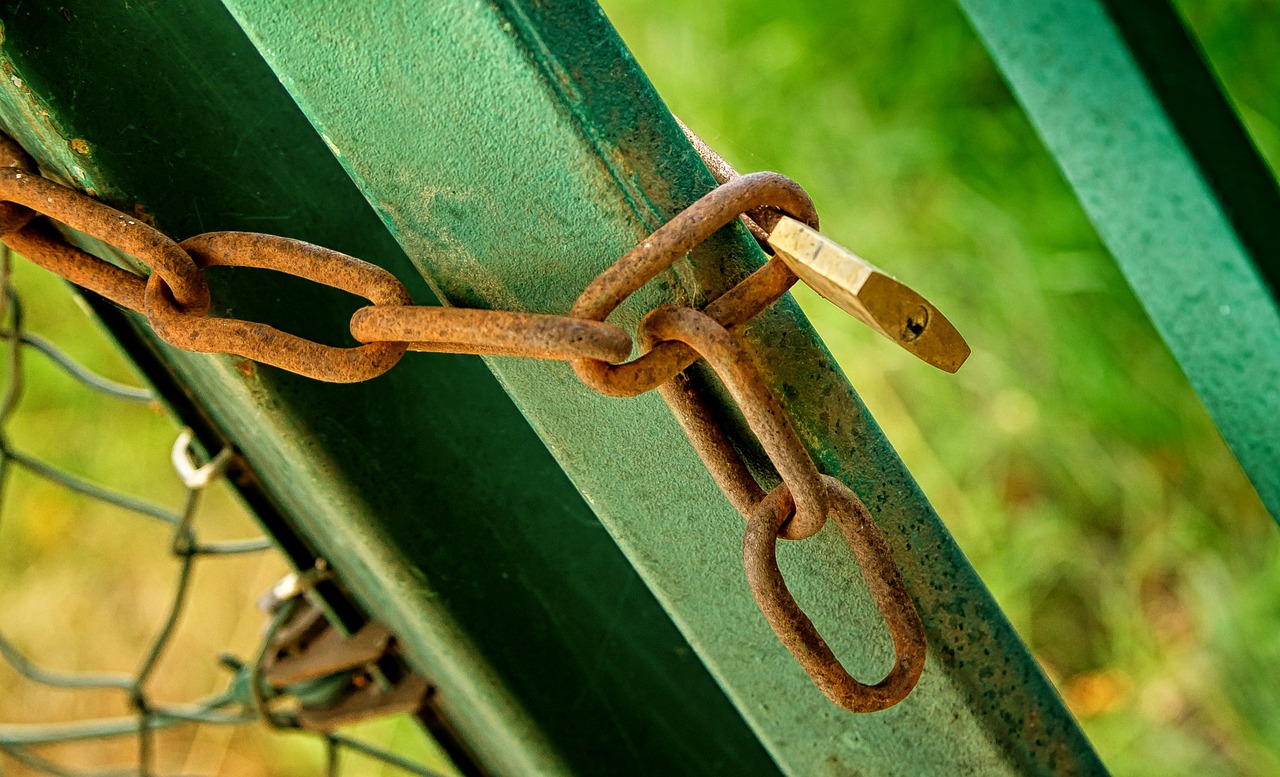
(246, 699)
(1194, 230)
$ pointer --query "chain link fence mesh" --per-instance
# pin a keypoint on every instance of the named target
(242, 700)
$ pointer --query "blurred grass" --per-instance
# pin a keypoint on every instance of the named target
(1069, 457)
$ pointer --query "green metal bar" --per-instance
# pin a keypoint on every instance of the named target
(1124, 100)
(514, 149)
(439, 508)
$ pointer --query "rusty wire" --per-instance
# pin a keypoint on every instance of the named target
(24, 742)
(175, 299)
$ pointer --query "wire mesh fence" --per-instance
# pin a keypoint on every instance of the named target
(244, 699)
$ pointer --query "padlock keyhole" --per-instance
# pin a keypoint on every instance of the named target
(917, 321)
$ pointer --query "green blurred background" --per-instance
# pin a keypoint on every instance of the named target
(1069, 456)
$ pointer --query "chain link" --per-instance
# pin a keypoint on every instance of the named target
(195, 330)
(176, 302)
(793, 627)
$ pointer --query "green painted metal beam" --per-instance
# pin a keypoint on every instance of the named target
(439, 508)
(514, 149)
(1124, 100)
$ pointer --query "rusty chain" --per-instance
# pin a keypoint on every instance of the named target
(176, 302)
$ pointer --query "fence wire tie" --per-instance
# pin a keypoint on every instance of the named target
(293, 585)
(175, 300)
(196, 477)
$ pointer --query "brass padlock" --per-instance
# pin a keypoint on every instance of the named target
(875, 298)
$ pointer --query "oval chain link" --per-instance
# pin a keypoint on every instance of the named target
(492, 332)
(662, 249)
(192, 330)
(796, 631)
(176, 301)
(762, 410)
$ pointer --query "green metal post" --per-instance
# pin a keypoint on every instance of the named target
(1123, 98)
(514, 150)
(438, 507)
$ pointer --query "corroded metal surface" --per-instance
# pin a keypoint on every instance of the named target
(491, 332)
(663, 248)
(761, 408)
(510, 570)
(194, 330)
(757, 220)
(128, 233)
(578, 145)
(581, 145)
(336, 679)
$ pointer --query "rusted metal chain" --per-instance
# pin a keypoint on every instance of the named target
(119, 230)
(759, 406)
(796, 631)
(759, 220)
(491, 332)
(663, 248)
(13, 216)
(192, 331)
(685, 232)
(42, 245)
(175, 299)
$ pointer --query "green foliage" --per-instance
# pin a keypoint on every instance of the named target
(1069, 457)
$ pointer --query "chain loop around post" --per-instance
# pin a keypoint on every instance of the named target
(796, 631)
(192, 331)
(175, 300)
(663, 248)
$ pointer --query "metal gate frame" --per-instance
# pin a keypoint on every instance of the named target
(510, 150)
